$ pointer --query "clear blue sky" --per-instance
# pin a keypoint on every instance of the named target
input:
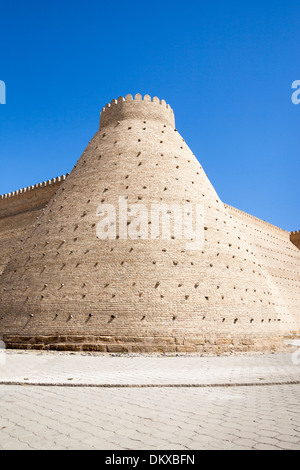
(226, 68)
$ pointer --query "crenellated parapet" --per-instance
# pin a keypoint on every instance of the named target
(137, 108)
(252, 218)
(295, 238)
(29, 198)
(57, 180)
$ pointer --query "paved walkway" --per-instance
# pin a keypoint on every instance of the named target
(82, 401)
(54, 368)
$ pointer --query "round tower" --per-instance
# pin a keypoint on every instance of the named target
(137, 108)
(74, 285)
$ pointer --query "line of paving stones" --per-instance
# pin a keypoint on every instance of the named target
(116, 385)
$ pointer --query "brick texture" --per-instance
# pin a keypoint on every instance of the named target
(19, 211)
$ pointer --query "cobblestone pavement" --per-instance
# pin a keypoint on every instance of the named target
(208, 415)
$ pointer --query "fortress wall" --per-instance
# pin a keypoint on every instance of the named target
(279, 257)
(272, 246)
(13, 229)
(30, 198)
(18, 212)
(64, 288)
(134, 294)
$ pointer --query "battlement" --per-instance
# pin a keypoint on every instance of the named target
(137, 108)
(295, 238)
(258, 221)
(30, 198)
(59, 179)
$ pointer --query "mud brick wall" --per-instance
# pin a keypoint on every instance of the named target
(19, 211)
(280, 259)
